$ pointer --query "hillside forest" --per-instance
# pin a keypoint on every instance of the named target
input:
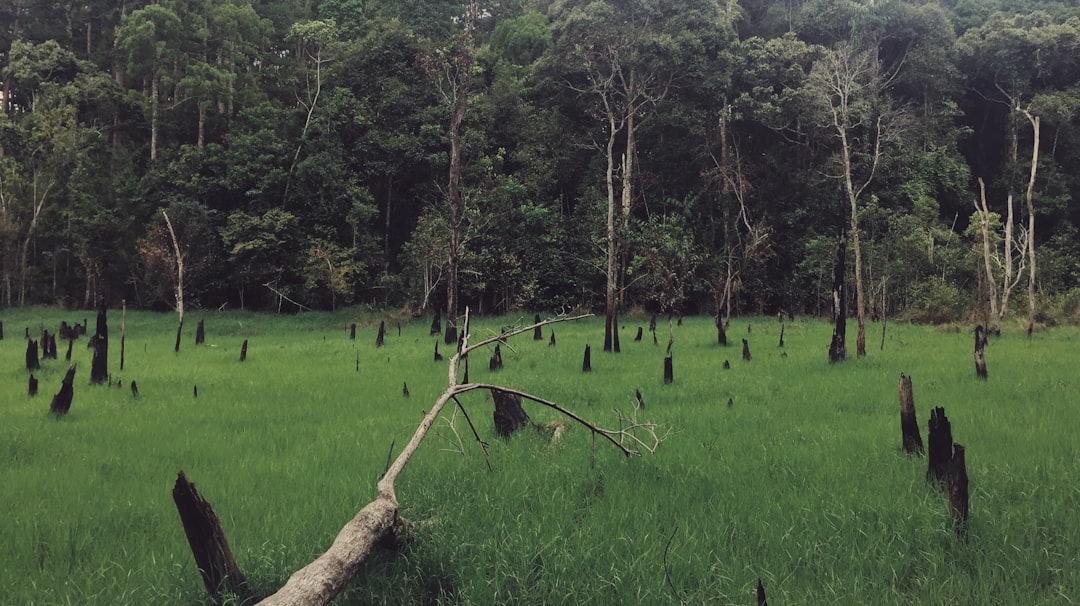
(699, 156)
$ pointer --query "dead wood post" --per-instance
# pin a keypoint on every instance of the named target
(382, 334)
(99, 364)
(509, 416)
(669, 370)
(721, 331)
(958, 489)
(123, 332)
(939, 436)
(61, 402)
(32, 361)
(207, 540)
(838, 348)
(761, 594)
(980, 356)
(745, 350)
(538, 334)
(243, 351)
(909, 423)
(32, 386)
(586, 363)
(200, 332)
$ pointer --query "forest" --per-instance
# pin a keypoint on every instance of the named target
(700, 156)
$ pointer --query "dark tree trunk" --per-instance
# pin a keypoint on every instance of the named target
(761, 594)
(1, 330)
(551, 341)
(640, 331)
(652, 323)
(939, 436)
(179, 333)
(438, 356)
(615, 334)
(781, 344)
(669, 371)
(200, 332)
(745, 350)
(32, 388)
(721, 331)
(207, 539)
(61, 402)
(71, 345)
(352, 331)
(958, 488)
(382, 334)
(509, 415)
(32, 362)
(99, 365)
(980, 357)
(909, 423)
(586, 363)
(123, 331)
(537, 333)
(838, 349)
(436, 323)
(496, 363)
(243, 351)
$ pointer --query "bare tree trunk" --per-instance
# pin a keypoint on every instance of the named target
(610, 300)
(153, 116)
(178, 288)
(1034, 120)
(984, 221)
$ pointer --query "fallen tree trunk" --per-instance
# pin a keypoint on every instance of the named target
(323, 579)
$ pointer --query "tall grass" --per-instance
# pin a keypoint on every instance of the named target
(801, 482)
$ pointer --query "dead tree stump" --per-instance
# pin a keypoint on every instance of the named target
(436, 323)
(551, 341)
(781, 344)
(745, 350)
(134, 390)
(640, 399)
(939, 436)
(438, 356)
(496, 363)
(586, 363)
(99, 364)
(837, 348)
(48, 345)
(382, 334)
(669, 371)
(405, 388)
(909, 423)
(207, 539)
(721, 331)
(538, 334)
(1, 330)
(640, 330)
(761, 594)
(243, 351)
(352, 331)
(200, 332)
(32, 361)
(980, 357)
(652, 323)
(958, 488)
(509, 415)
(727, 365)
(71, 345)
(32, 388)
(61, 402)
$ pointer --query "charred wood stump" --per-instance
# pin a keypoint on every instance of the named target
(958, 489)
(838, 348)
(61, 402)
(538, 334)
(652, 323)
(382, 334)
(47, 345)
(745, 350)
(721, 331)
(781, 344)
(71, 345)
(654, 340)
(134, 390)
(27, 335)
(32, 388)
(939, 436)
(352, 331)
(586, 363)
(405, 388)
(551, 341)
(980, 357)
(99, 364)
(200, 332)
(640, 399)
(909, 423)
(32, 361)
(761, 601)
(727, 365)
(496, 363)
(243, 351)
(615, 334)
(438, 356)
(65, 331)
(669, 371)
(1, 330)
(509, 415)
(465, 378)
(436, 323)
(637, 337)
(207, 539)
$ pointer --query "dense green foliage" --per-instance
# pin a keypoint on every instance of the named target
(800, 482)
(302, 149)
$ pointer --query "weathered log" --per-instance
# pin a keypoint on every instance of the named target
(958, 488)
(200, 332)
(538, 333)
(586, 363)
(243, 351)
(761, 594)
(99, 364)
(207, 539)
(909, 423)
(980, 356)
(669, 371)
(61, 402)
(939, 438)
(32, 361)
(637, 337)
(32, 388)
(838, 348)
(382, 334)
(745, 350)
(509, 415)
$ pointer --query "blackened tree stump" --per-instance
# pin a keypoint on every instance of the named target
(405, 388)
(99, 364)
(134, 390)
(538, 334)
(551, 341)
(909, 423)
(32, 388)
(438, 356)
(61, 402)
(838, 348)
(243, 351)
(745, 350)
(352, 331)
(207, 539)
(652, 323)
(509, 415)
(939, 436)
(200, 332)
(721, 331)
(382, 334)
(71, 345)
(781, 344)
(761, 594)
(958, 488)
(586, 363)
(436, 323)
(496, 362)
(32, 361)
(980, 356)
(669, 371)
(640, 331)
(727, 365)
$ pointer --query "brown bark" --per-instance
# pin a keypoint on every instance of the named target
(207, 540)
(909, 423)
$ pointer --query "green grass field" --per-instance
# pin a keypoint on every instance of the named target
(800, 483)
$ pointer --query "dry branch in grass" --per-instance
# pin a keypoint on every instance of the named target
(323, 579)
